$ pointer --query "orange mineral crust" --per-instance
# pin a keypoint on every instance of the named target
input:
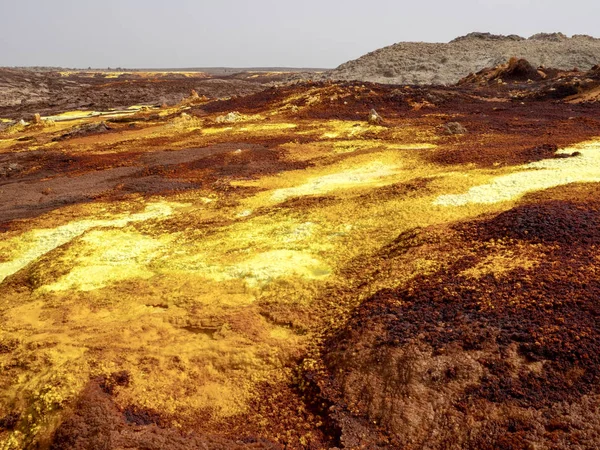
(261, 264)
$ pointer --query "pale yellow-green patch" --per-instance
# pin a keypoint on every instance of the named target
(210, 131)
(267, 266)
(535, 176)
(103, 257)
(348, 130)
(369, 175)
(36, 243)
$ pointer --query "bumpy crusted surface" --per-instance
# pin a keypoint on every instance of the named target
(275, 271)
(498, 349)
(437, 63)
(97, 423)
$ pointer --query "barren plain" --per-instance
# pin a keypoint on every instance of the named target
(193, 262)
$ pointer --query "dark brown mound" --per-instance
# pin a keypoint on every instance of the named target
(514, 70)
(97, 424)
(492, 361)
(519, 70)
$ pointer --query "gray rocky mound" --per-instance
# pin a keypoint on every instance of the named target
(437, 63)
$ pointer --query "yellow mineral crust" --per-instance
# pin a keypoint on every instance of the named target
(37, 243)
(535, 176)
(216, 287)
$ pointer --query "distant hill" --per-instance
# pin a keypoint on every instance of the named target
(438, 63)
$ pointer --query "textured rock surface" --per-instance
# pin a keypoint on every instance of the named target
(446, 63)
(474, 356)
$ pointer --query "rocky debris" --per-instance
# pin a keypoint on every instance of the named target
(543, 83)
(85, 130)
(419, 105)
(26, 91)
(374, 118)
(539, 152)
(552, 37)
(447, 63)
(514, 70)
(453, 128)
(37, 122)
(184, 120)
(10, 169)
(231, 117)
(6, 125)
(21, 87)
(195, 99)
(487, 37)
(559, 89)
(519, 70)
(573, 87)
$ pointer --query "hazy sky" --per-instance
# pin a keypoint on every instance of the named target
(242, 33)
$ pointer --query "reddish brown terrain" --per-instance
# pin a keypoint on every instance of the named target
(53, 91)
(265, 265)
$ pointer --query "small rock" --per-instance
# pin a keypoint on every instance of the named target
(10, 170)
(6, 125)
(195, 98)
(374, 118)
(231, 117)
(84, 130)
(453, 128)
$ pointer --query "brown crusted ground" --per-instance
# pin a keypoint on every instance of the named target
(457, 360)
(26, 92)
(97, 423)
(500, 117)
